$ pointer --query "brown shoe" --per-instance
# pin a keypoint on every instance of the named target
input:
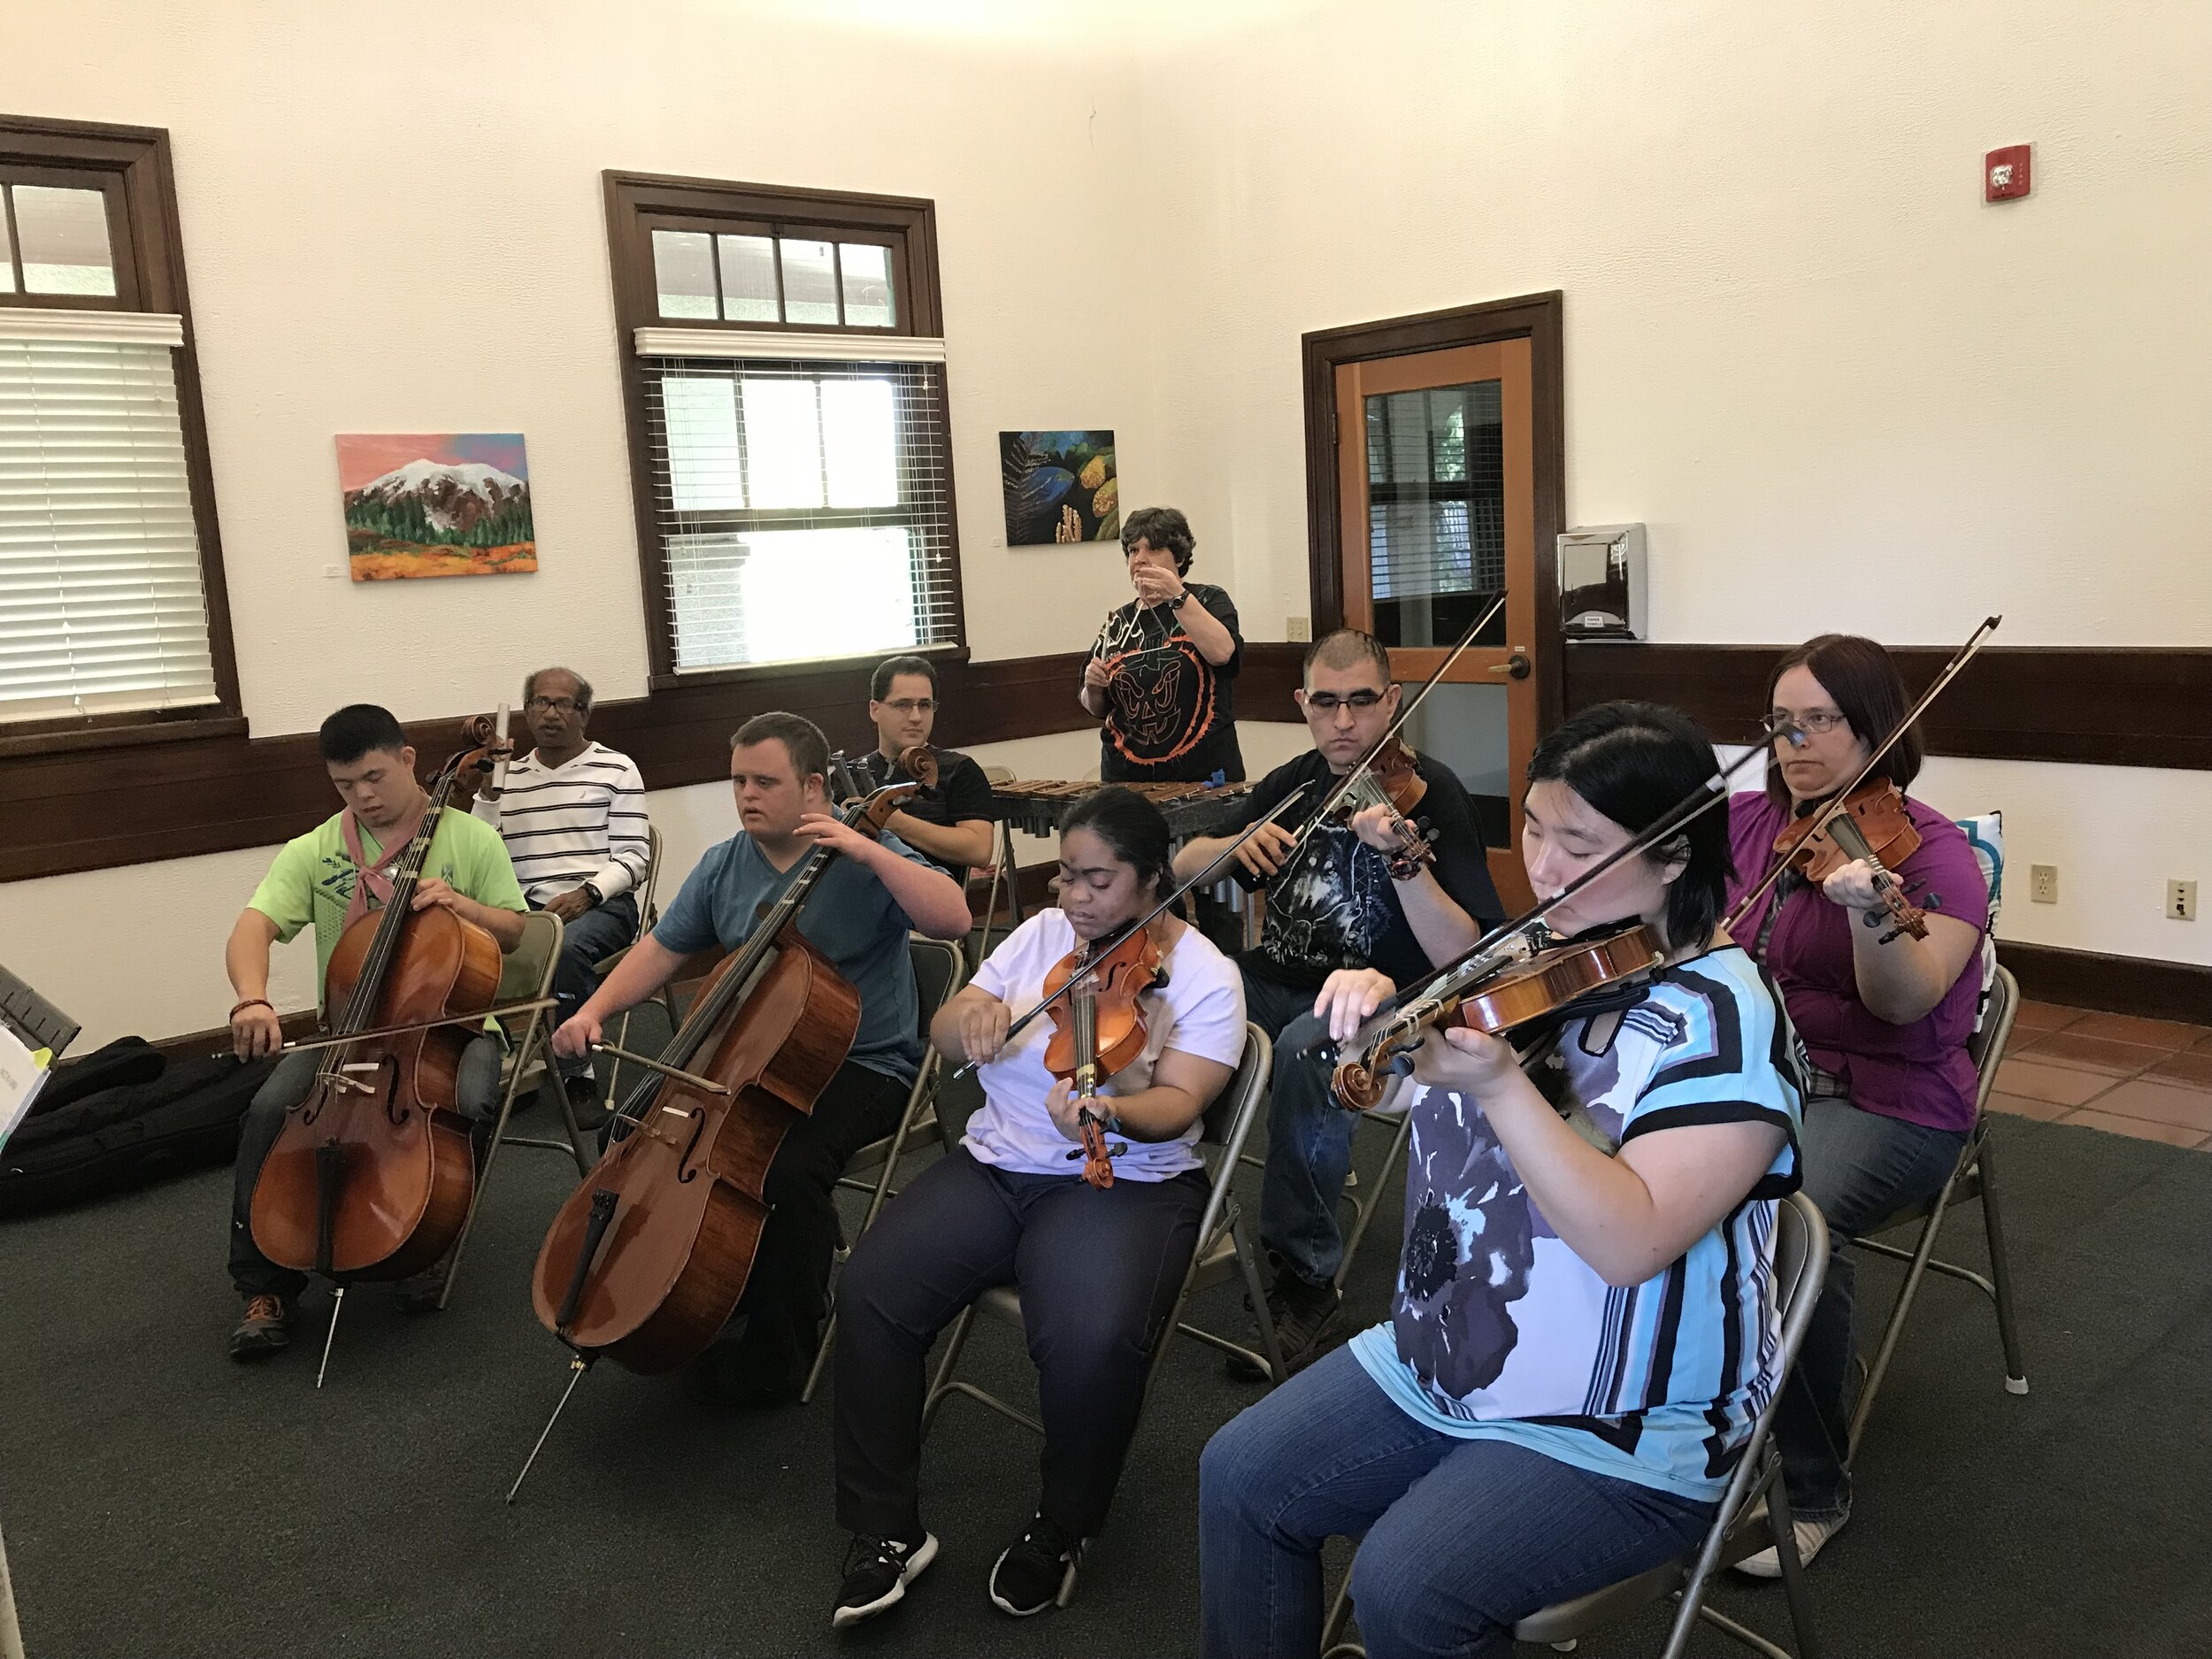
(266, 1327)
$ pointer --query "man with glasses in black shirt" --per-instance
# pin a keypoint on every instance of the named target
(950, 823)
(1337, 905)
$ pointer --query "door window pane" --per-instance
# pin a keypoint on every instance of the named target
(683, 270)
(1436, 511)
(809, 282)
(7, 249)
(783, 442)
(748, 279)
(867, 271)
(64, 240)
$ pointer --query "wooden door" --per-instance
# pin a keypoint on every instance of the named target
(1437, 512)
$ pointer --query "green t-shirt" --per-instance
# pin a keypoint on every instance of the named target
(312, 878)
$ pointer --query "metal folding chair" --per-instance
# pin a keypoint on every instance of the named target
(1973, 1177)
(526, 974)
(1223, 1249)
(1753, 1516)
(647, 913)
(939, 967)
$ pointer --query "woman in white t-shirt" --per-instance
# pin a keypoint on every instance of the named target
(1098, 1270)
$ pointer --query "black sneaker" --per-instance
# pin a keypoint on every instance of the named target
(421, 1293)
(1036, 1570)
(877, 1572)
(1306, 1318)
(266, 1327)
(590, 1112)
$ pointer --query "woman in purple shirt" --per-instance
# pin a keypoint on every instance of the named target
(1885, 1019)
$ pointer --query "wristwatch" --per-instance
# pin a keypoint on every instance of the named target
(592, 892)
(1177, 602)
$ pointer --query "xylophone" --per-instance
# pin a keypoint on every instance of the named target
(1034, 805)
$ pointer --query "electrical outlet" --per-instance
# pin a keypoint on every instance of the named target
(2043, 884)
(2181, 901)
(1299, 629)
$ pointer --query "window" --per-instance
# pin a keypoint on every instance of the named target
(791, 457)
(112, 621)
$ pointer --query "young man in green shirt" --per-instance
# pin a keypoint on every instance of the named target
(314, 881)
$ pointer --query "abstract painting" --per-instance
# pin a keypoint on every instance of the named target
(446, 504)
(1060, 487)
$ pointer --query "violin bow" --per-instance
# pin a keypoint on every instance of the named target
(1405, 713)
(1103, 946)
(1485, 957)
(1965, 653)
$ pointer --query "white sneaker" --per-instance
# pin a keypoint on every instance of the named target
(1810, 1536)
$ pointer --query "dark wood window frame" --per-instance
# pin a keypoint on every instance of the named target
(131, 165)
(1536, 318)
(636, 205)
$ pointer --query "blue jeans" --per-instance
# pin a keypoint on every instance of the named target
(596, 934)
(1860, 1168)
(1462, 1538)
(1308, 1137)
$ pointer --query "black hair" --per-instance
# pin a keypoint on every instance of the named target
(892, 667)
(1635, 762)
(357, 728)
(1347, 647)
(1133, 830)
(1165, 528)
(583, 687)
(801, 738)
(1859, 675)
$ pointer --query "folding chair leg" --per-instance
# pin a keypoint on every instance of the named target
(1782, 1524)
(821, 1360)
(1890, 1332)
(1248, 1261)
(941, 1388)
(491, 1152)
(1363, 1210)
(2000, 1271)
(1340, 1620)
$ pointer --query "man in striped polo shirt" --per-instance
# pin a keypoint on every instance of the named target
(572, 815)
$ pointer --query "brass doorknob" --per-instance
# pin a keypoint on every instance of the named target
(1516, 665)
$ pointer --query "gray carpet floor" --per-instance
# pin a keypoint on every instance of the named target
(158, 1499)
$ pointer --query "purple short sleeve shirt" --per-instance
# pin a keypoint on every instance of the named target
(1920, 1072)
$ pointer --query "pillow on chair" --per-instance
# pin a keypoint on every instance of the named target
(1986, 835)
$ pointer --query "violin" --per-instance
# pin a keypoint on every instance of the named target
(1873, 827)
(645, 1261)
(372, 1175)
(1098, 1027)
(1495, 1000)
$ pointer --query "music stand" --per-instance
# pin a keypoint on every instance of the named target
(30, 1020)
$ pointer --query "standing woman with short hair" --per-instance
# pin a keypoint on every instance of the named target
(1163, 673)
(1885, 1017)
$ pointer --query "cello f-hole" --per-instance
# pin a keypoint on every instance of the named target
(685, 1171)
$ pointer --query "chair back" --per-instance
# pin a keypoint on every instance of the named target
(938, 965)
(1228, 1122)
(1801, 1262)
(650, 883)
(526, 970)
(1987, 1047)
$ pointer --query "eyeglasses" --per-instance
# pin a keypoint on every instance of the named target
(913, 705)
(553, 705)
(1816, 721)
(1329, 703)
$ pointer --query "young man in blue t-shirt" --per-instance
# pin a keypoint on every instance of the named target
(859, 916)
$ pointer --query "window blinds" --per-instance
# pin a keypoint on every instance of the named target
(805, 508)
(1436, 491)
(101, 608)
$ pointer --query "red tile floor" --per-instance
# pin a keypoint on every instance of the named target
(2148, 1077)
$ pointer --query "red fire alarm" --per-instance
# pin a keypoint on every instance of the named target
(2005, 173)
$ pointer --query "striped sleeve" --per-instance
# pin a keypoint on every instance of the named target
(629, 845)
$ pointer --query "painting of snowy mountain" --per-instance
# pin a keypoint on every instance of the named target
(454, 503)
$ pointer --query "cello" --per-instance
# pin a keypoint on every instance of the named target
(645, 1261)
(372, 1175)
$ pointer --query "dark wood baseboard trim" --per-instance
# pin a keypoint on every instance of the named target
(2099, 706)
(2112, 985)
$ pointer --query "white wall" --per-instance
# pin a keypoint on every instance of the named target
(1842, 391)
